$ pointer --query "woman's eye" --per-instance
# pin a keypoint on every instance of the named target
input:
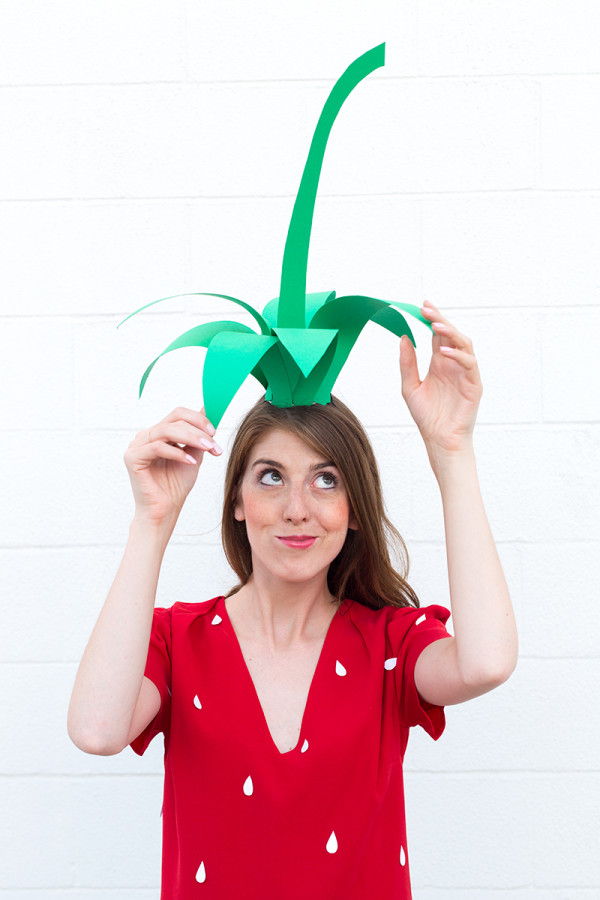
(327, 479)
(270, 477)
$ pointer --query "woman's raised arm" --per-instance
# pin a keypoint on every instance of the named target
(110, 698)
(483, 652)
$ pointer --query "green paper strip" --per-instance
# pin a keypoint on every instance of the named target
(295, 257)
(315, 388)
(199, 336)
(230, 358)
(349, 315)
(313, 302)
(264, 327)
(280, 390)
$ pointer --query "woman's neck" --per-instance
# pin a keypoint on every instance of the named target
(281, 613)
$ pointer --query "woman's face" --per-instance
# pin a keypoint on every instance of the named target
(295, 507)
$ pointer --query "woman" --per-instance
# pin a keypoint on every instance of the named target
(286, 705)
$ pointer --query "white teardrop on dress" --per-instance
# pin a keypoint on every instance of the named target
(421, 619)
(201, 874)
(340, 670)
(332, 843)
(248, 787)
(390, 663)
(304, 747)
(217, 620)
(197, 703)
(402, 857)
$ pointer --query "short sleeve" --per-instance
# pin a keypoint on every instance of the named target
(409, 632)
(158, 670)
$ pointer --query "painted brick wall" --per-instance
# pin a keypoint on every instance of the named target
(153, 147)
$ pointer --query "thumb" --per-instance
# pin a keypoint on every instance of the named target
(408, 367)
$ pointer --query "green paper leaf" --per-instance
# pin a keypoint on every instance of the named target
(269, 312)
(350, 315)
(312, 303)
(281, 381)
(264, 327)
(306, 346)
(229, 360)
(292, 292)
(413, 310)
(199, 336)
(315, 389)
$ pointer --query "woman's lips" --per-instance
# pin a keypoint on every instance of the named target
(298, 541)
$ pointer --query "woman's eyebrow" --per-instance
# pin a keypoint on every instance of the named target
(278, 465)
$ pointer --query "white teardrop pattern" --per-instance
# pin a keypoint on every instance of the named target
(421, 619)
(304, 747)
(402, 856)
(332, 844)
(197, 703)
(339, 669)
(201, 874)
(390, 663)
(248, 786)
(217, 620)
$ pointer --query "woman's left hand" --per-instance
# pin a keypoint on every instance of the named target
(444, 405)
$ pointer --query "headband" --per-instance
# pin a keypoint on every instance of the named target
(303, 339)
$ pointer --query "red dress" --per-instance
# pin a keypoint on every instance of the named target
(324, 821)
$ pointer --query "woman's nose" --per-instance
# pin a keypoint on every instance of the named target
(296, 506)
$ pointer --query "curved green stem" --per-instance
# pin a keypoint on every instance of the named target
(290, 313)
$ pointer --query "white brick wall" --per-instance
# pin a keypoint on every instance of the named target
(153, 147)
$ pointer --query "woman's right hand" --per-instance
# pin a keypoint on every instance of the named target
(163, 463)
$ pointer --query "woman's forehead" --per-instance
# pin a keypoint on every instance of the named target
(279, 445)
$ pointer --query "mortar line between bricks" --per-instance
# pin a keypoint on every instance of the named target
(76, 890)
(528, 192)
(97, 318)
(513, 889)
(325, 80)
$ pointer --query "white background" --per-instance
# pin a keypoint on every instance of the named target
(148, 148)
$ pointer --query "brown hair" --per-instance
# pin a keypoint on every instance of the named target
(362, 570)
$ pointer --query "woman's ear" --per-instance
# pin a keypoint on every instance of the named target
(238, 506)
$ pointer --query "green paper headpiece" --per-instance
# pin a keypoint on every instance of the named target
(304, 339)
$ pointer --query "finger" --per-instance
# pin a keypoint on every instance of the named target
(465, 359)
(209, 427)
(146, 454)
(178, 432)
(444, 329)
(408, 367)
(451, 336)
(432, 313)
(199, 419)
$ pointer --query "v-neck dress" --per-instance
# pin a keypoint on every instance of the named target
(323, 821)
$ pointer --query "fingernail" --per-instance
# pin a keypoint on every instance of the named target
(205, 443)
(448, 349)
(217, 448)
(191, 459)
(210, 428)
(438, 326)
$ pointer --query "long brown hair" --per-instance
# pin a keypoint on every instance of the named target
(362, 570)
